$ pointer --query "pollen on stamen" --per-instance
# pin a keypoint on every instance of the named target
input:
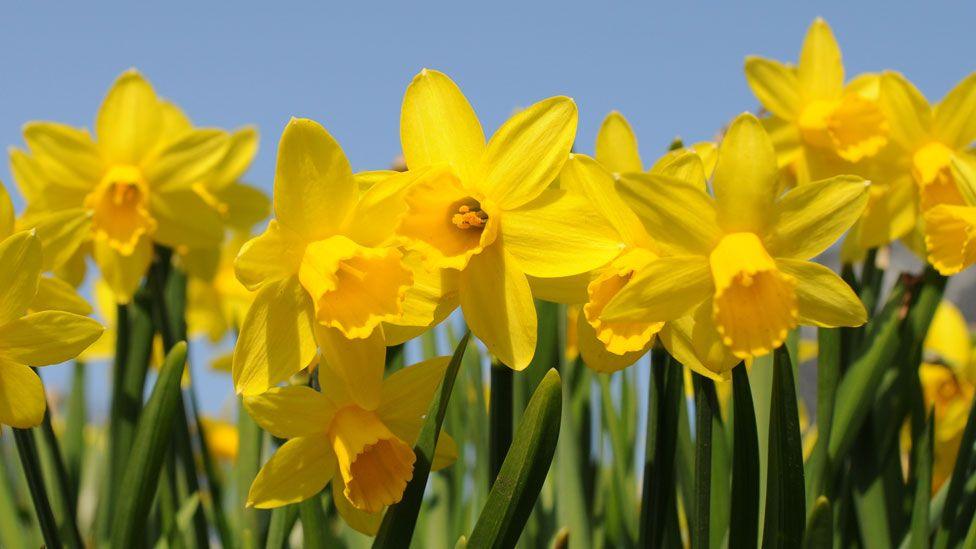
(468, 217)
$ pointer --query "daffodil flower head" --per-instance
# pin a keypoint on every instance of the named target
(735, 267)
(366, 451)
(326, 266)
(123, 189)
(488, 211)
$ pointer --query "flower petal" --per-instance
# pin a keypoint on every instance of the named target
(61, 234)
(123, 272)
(595, 354)
(820, 69)
(277, 337)
(695, 342)
(431, 298)
(241, 149)
(6, 213)
(130, 119)
(590, 180)
(22, 401)
(246, 205)
(68, 155)
(616, 145)
(497, 304)
(297, 471)
(48, 337)
(950, 237)
(445, 453)
(775, 85)
(54, 294)
(291, 412)
(908, 112)
(746, 177)
(357, 519)
(438, 126)
(680, 216)
(569, 290)
(314, 191)
(351, 370)
(954, 119)
(666, 289)
(559, 234)
(810, 218)
(527, 152)
(407, 394)
(185, 220)
(823, 298)
(684, 164)
(273, 255)
(188, 160)
(20, 256)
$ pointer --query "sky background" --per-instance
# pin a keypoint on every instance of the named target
(674, 71)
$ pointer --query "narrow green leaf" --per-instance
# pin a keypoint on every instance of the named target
(820, 526)
(74, 431)
(400, 519)
(612, 424)
(62, 498)
(152, 439)
(785, 501)
(12, 531)
(659, 511)
(706, 405)
(515, 491)
(571, 505)
(315, 534)
(919, 533)
(500, 421)
(282, 522)
(744, 521)
(828, 374)
(30, 461)
(249, 443)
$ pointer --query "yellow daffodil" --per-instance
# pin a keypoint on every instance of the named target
(948, 384)
(932, 147)
(487, 210)
(325, 269)
(366, 452)
(38, 338)
(218, 302)
(737, 272)
(222, 438)
(129, 186)
(617, 151)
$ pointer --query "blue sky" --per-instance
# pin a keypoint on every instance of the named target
(672, 71)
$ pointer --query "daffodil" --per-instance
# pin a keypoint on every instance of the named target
(487, 211)
(366, 452)
(326, 270)
(616, 150)
(822, 127)
(37, 338)
(116, 193)
(218, 302)
(932, 143)
(222, 438)
(736, 275)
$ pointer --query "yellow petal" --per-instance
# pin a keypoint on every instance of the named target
(407, 395)
(47, 337)
(755, 304)
(908, 113)
(361, 521)
(22, 401)
(277, 337)
(695, 342)
(373, 222)
(569, 290)
(527, 152)
(20, 256)
(123, 272)
(351, 370)
(775, 85)
(61, 234)
(431, 298)
(298, 470)
(746, 179)
(589, 179)
(682, 164)
(679, 215)
(890, 213)
(666, 289)
(6, 213)
(365, 180)
(130, 119)
(241, 149)
(438, 126)
(291, 412)
(314, 191)
(498, 307)
(273, 255)
(445, 453)
(185, 220)
(54, 294)
(810, 218)
(820, 69)
(616, 145)
(822, 298)
(67, 155)
(595, 354)
(559, 234)
(245, 205)
(950, 237)
(954, 119)
(189, 160)
(354, 288)
(948, 338)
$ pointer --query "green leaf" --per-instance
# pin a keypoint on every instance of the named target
(744, 521)
(401, 519)
(525, 468)
(785, 501)
(153, 433)
(30, 461)
(62, 498)
(315, 530)
(659, 511)
(12, 531)
(500, 421)
(250, 440)
(74, 432)
(828, 374)
(919, 533)
(282, 522)
(820, 525)
(706, 406)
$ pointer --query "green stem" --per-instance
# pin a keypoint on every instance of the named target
(27, 450)
(705, 408)
(65, 496)
(500, 421)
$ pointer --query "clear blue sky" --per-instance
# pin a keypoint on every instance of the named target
(672, 71)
